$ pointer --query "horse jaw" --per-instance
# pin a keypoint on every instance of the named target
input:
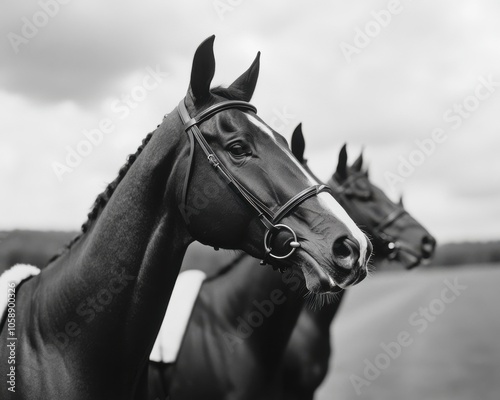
(316, 278)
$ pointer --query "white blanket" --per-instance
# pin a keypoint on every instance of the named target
(16, 275)
(169, 339)
(184, 295)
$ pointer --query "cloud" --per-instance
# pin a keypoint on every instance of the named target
(86, 49)
(395, 91)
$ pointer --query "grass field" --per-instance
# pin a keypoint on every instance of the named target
(451, 350)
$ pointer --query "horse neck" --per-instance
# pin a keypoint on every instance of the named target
(325, 315)
(116, 280)
(251, 289)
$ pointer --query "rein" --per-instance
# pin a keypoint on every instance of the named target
(267, 217)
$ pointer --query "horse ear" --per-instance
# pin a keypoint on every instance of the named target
(244, 86)
(342, 165)
(203, 70)
(298, 143)
(401, 201)
(358, 163)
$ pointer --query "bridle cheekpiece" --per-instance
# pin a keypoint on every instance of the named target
(268, 218)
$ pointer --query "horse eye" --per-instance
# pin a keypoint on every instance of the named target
(237, 150)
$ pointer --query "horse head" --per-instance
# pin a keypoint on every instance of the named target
(243, 189)
(395, 234)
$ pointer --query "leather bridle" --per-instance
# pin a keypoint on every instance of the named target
(389, 242)
(268, 218)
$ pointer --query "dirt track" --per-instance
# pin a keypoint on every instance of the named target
(451, 348)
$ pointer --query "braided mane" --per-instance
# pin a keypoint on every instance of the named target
(103, 198)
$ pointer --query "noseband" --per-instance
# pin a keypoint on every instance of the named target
(390, 242)
(268, 218)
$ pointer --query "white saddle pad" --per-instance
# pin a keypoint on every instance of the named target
(180, 307)
(173, 328)
(15, 275)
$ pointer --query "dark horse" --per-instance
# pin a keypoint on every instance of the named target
(258, 341)
(396, 236)
(212, 171)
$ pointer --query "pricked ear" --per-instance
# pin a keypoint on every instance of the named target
(358, 164)
(401, 201)
(203, 70)
(298, 143)
(342, 165)
(244, 86)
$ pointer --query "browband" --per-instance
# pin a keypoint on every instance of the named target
(269, 219)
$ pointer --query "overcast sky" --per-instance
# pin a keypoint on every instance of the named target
(376, 74)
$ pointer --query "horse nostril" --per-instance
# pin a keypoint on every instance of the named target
(428, 246)
(340, 248)
(346, 252)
